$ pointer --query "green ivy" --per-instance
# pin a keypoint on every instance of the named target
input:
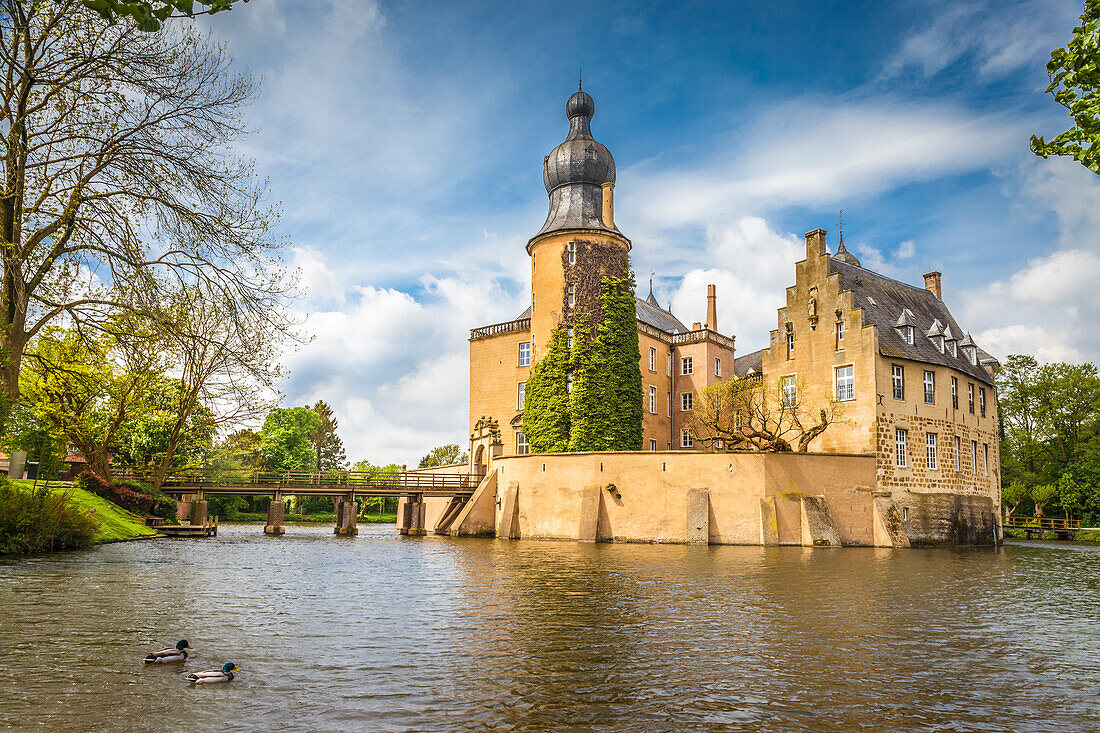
(546, 398)
(604, 410)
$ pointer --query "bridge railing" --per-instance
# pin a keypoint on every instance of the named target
(352, 479)
(1043, 523)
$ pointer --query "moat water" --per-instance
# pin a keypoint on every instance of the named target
(387, 633)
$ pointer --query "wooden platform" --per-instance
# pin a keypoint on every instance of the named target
(209, 529)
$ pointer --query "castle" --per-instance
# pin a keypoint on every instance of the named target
(918, 394)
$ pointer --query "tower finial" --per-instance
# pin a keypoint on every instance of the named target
(651, 284)
(840, 226)
(580, 75)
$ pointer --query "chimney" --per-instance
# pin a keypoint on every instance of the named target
(697, 326)
(712, 309)
(815, 243)
(609, 205)
(932, 283)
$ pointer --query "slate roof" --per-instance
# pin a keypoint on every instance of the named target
(749, 362)
(648, 312)
(884, 300)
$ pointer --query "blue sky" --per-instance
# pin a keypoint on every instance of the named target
(405, 143)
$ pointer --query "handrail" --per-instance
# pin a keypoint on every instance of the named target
(1041, 523)
(702, 334)
(520, 324)
(350, 479)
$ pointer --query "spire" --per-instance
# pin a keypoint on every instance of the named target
(580, 76)
(843, 254)
(650, 299)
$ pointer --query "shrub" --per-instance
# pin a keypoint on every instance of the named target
(127, 498)
(164, 506)
(40, 520)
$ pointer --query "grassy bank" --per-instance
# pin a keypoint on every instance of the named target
(1088, 535)
(112, 523)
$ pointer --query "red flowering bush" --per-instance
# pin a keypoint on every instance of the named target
(128, 499)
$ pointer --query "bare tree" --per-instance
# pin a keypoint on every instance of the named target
(748, 413)
(118, 174)
(224, 356)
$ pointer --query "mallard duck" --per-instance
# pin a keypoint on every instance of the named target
(213, 675)
(178, 653)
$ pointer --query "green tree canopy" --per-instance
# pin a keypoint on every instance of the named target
(145, 440)
(284, 439)
(150, 14)
(444, 455)
(327, 446)
(1074, 72)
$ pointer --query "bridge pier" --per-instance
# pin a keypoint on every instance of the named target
(276, 514)
(412, 517)
(345, 517)
(198, 509)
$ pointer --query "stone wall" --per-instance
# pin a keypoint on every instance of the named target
(949, 519)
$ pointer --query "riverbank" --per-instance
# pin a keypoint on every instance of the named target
(1091, 536)
(114, 524)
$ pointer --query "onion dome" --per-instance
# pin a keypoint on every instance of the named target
(575, 171)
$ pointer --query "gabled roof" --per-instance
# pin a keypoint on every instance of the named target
(753, 362)
(891, 299)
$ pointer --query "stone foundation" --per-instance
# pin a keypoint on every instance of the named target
(276, 515)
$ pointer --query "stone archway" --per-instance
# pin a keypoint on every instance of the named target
(485, 445)
(479, 466)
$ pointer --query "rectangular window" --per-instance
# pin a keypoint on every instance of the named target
(686, 366)
(652, 359)
(958, 450)
(929, 387)
(652, 445)
(572, 248)
(973, 355)
(686, 401)
(669, 405)
(521, 390)
(569, 337)
(522, 446)
(652, 400)
(985, 458)
(718, 367)
(572, 296)
(790, 345)
(955, 349)
(668, 363)
(930, 446)
(954, 393)
(943, 346)
(974, 457)
(909, 335)
(839, 334)
(788, 390)
(525, 353)
(981, 400)
(685, 439)
(901, 438)
(669, 446)
(845, 383)
(970, 396)
(897, 375)
(569, 383)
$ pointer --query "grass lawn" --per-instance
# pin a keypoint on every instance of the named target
(115, 523)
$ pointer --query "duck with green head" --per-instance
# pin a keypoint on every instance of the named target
(225, 674)
(178, 653)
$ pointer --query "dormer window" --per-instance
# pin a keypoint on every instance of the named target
(973, 356)
(943, 346)
(909, 335)
(955, 349)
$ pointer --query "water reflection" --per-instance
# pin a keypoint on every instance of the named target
(381, 632)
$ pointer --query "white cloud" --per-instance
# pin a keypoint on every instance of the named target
(906, 250)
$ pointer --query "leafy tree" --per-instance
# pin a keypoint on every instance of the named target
(748, 413)
(240, 450)
(88, 387)
(42, 440)
(117, 156)
(1070, 494)
(150, 14)
(157, 438)
(327, 446)
(284, 439)
(1013, 495)
(546, 422)
(1042, 495)
(444, 455)
(1074, 73)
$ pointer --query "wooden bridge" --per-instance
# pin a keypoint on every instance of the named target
(1063, 529)
(192, 486)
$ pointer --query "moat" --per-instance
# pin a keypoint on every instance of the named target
(381, 632)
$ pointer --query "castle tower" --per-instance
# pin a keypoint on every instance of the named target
(579, 243)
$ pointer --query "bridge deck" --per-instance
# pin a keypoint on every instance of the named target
(328, 483)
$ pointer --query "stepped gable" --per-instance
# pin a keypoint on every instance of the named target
(891, 298)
